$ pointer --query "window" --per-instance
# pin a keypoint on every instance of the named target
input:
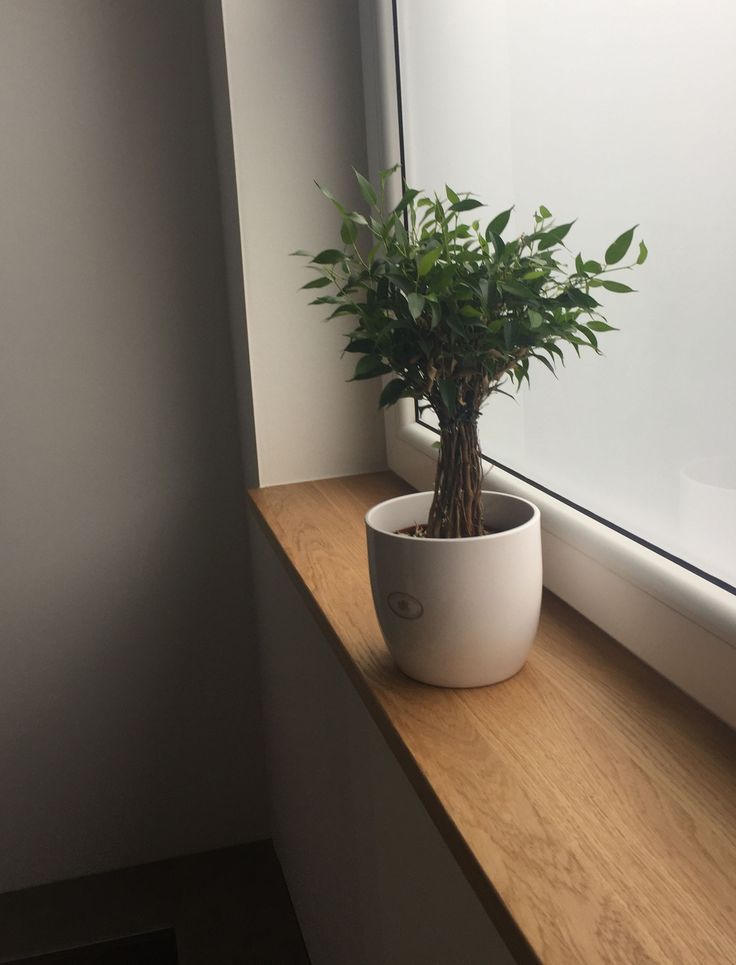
(616, 114)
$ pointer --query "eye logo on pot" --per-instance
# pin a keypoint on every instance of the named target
(405, 606)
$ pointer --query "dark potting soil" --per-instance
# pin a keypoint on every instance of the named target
(419, 530)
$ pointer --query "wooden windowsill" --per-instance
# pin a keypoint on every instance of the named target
(591, 804)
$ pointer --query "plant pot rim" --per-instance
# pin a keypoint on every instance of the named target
(698, 471)
(453, 539)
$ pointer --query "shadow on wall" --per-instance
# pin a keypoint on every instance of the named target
(128, 701)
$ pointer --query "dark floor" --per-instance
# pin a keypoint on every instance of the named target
(227, 907)
(153, 948)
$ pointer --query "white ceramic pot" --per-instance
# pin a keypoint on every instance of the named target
(457, 612)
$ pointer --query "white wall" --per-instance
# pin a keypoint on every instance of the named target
(297, 113)
(128, 700)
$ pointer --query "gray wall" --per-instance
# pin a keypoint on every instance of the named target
(129, 721)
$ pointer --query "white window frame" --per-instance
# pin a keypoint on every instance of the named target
(676, 621)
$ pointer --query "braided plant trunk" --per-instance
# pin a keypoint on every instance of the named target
(457, 507)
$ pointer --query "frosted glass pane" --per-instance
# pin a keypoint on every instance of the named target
(614, 113)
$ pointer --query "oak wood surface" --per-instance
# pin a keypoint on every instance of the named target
(590, 803)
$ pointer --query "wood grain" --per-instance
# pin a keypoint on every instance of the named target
(590, 803)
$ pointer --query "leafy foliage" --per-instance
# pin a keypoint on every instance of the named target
(453, 309)
(457, 312)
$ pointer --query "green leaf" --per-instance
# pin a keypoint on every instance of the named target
(392, 392)
(535, 318)
(317, 283)
(590, 335)
(554, 350)
(616, 286)
(416, 304)
(452, 197)
(592, 268)
(531, 275)
(344, 310)
(331, 197)
(400, 235)
(643, 252)
(386, 174)
(357, 218)
(546, 362)
(545, 212)
(448, 394)
(601, 326)
(554, 236)
(469, 311)
(497, 240)
(581, 299)
(519, 291)
(620, 246)
(369, 367)
(300, 253)
(348, 231)
(467, 204)
(427, 261)
(366, 189)
(579, 265)
(406, 200)
(456, 324)
(330, 256)
(498, 223)
(362, 345)
(521, 372)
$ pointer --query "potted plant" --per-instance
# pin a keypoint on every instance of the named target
(456, 313)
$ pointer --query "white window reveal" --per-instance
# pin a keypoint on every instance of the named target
(614, 114)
